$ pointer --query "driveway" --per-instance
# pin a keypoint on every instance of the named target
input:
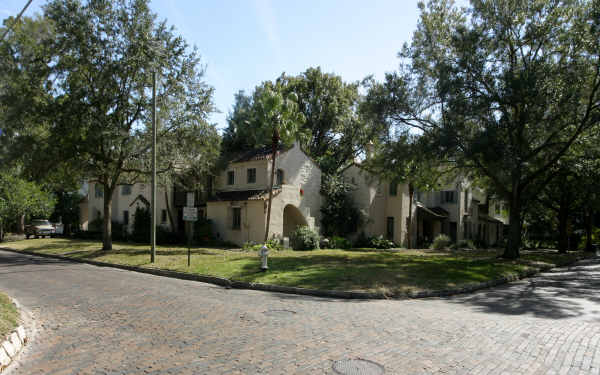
(100, 320)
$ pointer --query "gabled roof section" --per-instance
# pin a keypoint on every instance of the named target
(243, 195)
(263, 153)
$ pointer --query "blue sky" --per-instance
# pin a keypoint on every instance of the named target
(246, 42)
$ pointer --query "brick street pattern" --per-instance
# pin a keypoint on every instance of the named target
(100, 320)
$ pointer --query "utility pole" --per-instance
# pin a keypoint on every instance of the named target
(153, 198)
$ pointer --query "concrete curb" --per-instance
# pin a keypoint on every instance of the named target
(469, 288)
(13, 343)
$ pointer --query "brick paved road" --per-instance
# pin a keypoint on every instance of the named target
(97, 320)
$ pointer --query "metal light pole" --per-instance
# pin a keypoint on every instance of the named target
(153, 198)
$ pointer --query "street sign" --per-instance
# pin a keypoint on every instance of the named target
(190, 199)
(190, 214)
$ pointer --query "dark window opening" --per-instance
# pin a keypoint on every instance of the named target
(126, 190)
(251, 174)
(237, 218)
(163, 216)
(448, 196)
(279, 178)
(125, 217)
(230, 178)
(393, 189)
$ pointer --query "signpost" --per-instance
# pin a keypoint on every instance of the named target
(190, 214)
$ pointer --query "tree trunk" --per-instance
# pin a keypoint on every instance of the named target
(1, 231)
(589, 214)
(275, 144)
(514, 230)
(411, 192)
(107, 231)
(563, 220)
(169, 214)
(21, 225)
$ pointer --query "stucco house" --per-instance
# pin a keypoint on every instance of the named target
(125, 200)
(238, 205)
(462, 211)
(384, 205)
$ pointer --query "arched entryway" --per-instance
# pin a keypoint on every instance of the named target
(292, 217)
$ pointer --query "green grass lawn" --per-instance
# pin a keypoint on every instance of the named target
(9, 316)
(352, 270)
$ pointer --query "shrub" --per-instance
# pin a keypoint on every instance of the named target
(466, 244)
(272, 244)
(96, 225)
(119, 231)
(362, 241)
(381, 243)
(203, 232)
(166, 237)
(440, 242)
(339, 214)
(141, 225)
(304, 238)
(339, 243)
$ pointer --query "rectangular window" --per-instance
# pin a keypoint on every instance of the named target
(125, 217)
(163, 216)
(466, 200)
(279, 178)
(251, 175)
(393, 189)
(98, 191)
(390, 228)
(126, 190)
(448, 196)
(230, 178)
(237, 218)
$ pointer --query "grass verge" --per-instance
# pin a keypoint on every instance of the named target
(9, 316)
(392, 273)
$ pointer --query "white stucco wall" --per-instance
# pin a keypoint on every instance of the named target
(241, 176)
(301, 189)
(372, 197)
(122, 203)
(253, 221)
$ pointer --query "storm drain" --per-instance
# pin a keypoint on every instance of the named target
(279, 313)
(357, 367)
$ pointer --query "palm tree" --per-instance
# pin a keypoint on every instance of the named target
(280, 115)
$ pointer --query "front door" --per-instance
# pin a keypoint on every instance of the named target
(390, 228)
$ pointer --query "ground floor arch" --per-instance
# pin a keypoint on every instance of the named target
(292, 218)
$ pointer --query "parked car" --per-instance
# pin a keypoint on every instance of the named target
(59, 228)
(39, 228)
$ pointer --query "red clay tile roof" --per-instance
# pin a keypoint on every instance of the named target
(263, 153)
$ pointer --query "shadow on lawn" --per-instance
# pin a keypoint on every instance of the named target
(558, 294)
(384, 272)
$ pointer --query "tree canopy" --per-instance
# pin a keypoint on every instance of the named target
(503, 88)
(92, 105)
(332, 132)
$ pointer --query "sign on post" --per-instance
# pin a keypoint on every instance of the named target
(190, 214)
(190, 199)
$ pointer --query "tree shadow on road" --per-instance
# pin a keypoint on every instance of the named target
(8, 262)
(559, 294)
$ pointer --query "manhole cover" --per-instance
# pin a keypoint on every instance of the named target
(357, 367)
(279, 313)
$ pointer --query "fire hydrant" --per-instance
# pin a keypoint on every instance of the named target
(264, 253)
